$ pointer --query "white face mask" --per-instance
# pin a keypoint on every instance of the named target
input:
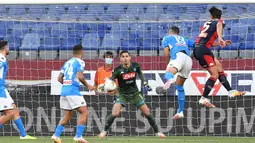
(108, 61)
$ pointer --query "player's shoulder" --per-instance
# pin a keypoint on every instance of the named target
(2, 58)
(168, 37)
(117, 68)
(135, 64)
(80, 62)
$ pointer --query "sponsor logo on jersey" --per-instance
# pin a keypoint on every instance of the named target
(128, 76)
(67, 82)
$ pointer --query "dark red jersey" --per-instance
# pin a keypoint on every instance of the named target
(208, 33)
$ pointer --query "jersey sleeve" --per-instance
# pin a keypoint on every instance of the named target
(164, 42)
(80, 66)
(189, 42)
(115, 73)
(140, 73)
(62, 69)
(2, 62)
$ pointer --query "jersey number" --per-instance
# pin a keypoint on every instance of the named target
(68, 71)
(203, 33)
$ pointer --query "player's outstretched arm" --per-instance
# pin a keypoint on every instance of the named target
(167, 55)
(219, 32)
(81, 78)
(141, 76)
(60, 78)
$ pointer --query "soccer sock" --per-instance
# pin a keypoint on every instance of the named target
(20, 126)
(59, 130)
(1, 126)
(223, 79)
(109, 120)
(153, 123)
(168, 76)
(208, 86)
(181, 97)
(79, 130)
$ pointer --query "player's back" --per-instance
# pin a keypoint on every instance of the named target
(3, 70)
(208, 33)
(70, 81)
(177, 44)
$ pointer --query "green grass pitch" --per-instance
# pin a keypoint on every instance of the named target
(142, 139)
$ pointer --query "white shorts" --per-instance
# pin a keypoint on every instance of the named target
(6, 103)
(183, 63)
(72, 102)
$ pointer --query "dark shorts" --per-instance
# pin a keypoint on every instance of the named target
(136, 99)
(204, 56)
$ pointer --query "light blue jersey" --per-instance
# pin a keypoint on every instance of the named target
(3, 71)
(177, 44)
(70, 81)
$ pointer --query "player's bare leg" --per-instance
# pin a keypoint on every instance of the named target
(60, 127)
(146, 111)
(81, 124)
(223, 79)
(208, 87)
(181, 97)
(110, 119)
(17, 120)
(169, 76)
(7, 115)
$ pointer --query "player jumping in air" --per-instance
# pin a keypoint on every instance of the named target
(176, 51)
(210, 31)
(128, 92)
(70, 76)
(7, 105)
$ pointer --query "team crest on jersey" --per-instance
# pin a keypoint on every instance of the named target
(128, 76)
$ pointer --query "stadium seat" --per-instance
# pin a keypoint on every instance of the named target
(127, 17)
(88, 17)
(247, 54)
(107, 17)
(76, 9)
(56, 9)
(69, 17)
(111, 41)
(228, 54)
(65, 51)
(96, 9)
(49, 48)
(149, 47)
(59, 30)
(13, 42)
(155, 9)
(91, 44)
(135, 9)
(17, 10)
(19, 30)
(29, 47)
(37, 9)
(48, 17)
(167, 17)
(115, 10)
(148, 17)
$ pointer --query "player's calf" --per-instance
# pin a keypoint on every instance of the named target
(170, 80)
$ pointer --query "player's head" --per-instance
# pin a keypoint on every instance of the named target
(174, 30)
(4, 48)
(78, 51)
(215, 13)
(108, 56)
(125, 57)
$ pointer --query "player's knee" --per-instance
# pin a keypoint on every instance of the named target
(180, 91)
(168, 75)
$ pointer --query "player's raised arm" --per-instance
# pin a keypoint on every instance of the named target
(219, 32)
(166, 50)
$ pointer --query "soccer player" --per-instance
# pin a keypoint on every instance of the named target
(176, 51)
(7, 105)
(210, 31)
(70, 76)
(128, 92)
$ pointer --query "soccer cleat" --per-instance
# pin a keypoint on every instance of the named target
(28, 137)
(102, 134)
(178, 115)
(80, 140)
(168, 83)
(56, 139)
(235, 93)
(161, 135)
(206, 102)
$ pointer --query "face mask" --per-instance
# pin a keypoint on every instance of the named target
(108, 61)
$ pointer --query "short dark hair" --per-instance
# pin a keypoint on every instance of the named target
(175, 29)
(215, 12)
(124, 51)
(2, 44)
(108, 53)
(77, 49)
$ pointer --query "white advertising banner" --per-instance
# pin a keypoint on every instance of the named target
(240, 80)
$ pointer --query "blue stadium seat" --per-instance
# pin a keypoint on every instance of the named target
(167, 17)
(235, 38)
(37, 9)
(174, 9)
(59, 30)
(251, 29)
(68, 43)
(239, 29)
(76, 9)
(136, 9)
(19, 30)
(115, 10)
(48, 17)
(88, 17)
(50, 43)
(13, 42)
(2, 10)
(3, 32)
(96, 9)
(30, 42)
(69, 17)
(131, 44)
(155, 9)
(250, 37)
(150, 44)
(91, 41)
(107, 17)
(56, 9)
(127, 17)
(17, 10)
(148, 17)
(41, 30)
(111, 42)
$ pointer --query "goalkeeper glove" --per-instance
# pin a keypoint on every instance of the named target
(147, 86)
